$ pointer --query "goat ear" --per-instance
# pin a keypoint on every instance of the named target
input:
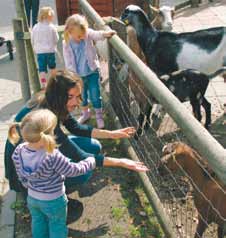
(154, 9)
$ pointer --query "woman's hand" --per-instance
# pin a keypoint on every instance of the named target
(123, 133)
(109, 34)
(125, 163)
(133, 165)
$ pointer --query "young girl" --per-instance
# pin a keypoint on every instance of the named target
(42, 169)
(80, 56)
(44, 37)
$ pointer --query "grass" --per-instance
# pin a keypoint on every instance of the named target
(118, 212)
(118, 231)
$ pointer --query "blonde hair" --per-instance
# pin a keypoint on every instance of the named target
(75, 20)
(44, 13)
(35, 126)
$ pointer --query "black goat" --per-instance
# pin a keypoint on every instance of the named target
(186, 85)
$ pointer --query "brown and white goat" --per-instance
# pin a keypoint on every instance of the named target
(209, 193)
(163, 17)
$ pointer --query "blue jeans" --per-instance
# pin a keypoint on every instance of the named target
(91, 87)
(31, 6)
(48, 217)
(46, 60)
(89, 145)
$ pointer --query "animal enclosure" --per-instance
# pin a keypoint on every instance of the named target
(176, 190)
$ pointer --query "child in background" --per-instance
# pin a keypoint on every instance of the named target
(44, 39)
(31, 8)
(80, 56)
(42, 169)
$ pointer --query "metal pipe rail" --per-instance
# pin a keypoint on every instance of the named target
(198, 136)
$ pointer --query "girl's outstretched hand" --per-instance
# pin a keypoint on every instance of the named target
(109, 34)
(133, 165)
(123, 133)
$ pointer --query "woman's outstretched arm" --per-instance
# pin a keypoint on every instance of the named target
(115, 134)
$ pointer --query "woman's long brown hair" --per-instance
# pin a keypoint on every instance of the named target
(56, 94)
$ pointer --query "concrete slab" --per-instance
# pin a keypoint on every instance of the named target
(7, 231)
(7, 216)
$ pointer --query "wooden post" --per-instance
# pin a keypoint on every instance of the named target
(21, 59)
(31, 62)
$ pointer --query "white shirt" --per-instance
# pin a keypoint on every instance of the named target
(44, 37)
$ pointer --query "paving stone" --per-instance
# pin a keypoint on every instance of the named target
(7, 231)
(7, 217)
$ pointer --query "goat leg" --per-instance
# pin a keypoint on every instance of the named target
(196, 108)
(148, 120)
(220, 232)
(201, 227)
(139, 130)
(207, 107)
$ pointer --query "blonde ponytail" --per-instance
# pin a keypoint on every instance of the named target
(35, 126)
(13, 134)
(49, 142)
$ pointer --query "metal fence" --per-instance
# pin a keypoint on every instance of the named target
(195, 180)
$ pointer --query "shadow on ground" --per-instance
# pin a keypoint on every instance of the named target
(96, 232)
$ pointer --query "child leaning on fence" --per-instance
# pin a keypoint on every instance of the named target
(42, 169)
(44, 39)
(80, 56)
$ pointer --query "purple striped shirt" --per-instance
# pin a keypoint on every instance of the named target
(44, 174)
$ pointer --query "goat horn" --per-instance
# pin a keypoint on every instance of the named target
(154, 9)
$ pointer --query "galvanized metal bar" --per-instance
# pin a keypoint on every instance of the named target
(198, 136)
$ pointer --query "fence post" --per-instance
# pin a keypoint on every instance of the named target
(31, 63)
(21, 59)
